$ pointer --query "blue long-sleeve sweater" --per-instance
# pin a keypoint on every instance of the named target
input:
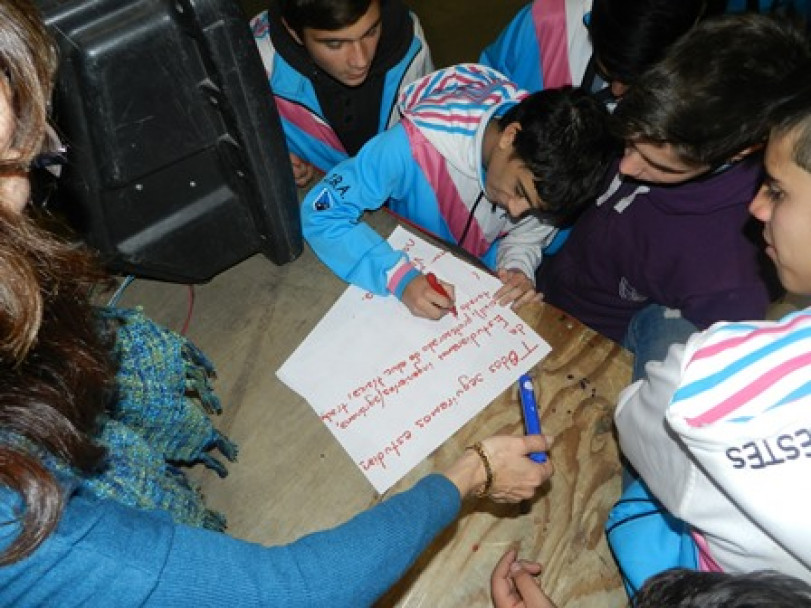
(105, 554)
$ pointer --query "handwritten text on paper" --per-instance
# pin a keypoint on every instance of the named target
(392, 387)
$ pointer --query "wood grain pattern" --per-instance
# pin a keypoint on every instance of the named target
(577, 386)
(293, 478)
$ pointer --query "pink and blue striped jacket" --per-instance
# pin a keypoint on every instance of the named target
(428, 168)
(721, 433)
(545, 46)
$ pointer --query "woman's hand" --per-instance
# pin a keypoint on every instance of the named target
(515, 476)
(424, 301)
(513, 584)
(518, 289)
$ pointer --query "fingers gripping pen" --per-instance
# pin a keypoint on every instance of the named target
(437, 287)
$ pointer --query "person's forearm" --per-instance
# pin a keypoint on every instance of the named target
(350, 565)
(467, 473)
(522, 248)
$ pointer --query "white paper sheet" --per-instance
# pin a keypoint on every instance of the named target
(392, 387)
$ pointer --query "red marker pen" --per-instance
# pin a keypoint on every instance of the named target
(437, 287)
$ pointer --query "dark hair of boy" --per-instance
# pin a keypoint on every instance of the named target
(709, 96)
(566, 142)
(322, 14)
(792, 116)
(682, 588)
(629, 36)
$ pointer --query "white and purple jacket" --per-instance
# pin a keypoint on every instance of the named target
(721, 434)
(309, 136)
(428, 168)
(545, 46)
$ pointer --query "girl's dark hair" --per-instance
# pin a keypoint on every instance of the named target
(682, 588)
(322, 14)
(629, 36)
(56, 375)
(28, 61)
(710, 95)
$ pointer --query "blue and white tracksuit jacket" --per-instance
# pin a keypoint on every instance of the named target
(720, 431)
(545, 46)
(429, 169)
(308, 134)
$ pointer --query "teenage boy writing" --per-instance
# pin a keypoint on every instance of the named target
(474, 160)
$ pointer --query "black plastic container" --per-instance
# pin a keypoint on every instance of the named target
(177, 164)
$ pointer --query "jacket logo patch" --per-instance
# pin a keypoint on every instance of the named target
(323, 201)
(627, 292)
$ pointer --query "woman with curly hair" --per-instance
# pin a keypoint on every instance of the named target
(64, 541)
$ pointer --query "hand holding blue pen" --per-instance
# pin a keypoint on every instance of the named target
(532, 422)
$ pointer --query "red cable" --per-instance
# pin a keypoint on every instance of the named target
(189, 313)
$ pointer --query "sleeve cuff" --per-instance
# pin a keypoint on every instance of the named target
(400, 276)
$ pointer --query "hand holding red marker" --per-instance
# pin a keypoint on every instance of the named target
(437, 287)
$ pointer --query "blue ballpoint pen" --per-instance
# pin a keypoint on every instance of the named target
(532, 422)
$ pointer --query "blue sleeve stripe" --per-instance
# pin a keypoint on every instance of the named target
(405, 281)
(692, 389)
(444, 128)
(795, 395)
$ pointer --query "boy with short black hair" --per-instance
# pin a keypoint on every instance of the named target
(513, 584)
(719, 434)
(680, 588)
(669, 233)
(474, 160)
(335, 68)
(718, 431)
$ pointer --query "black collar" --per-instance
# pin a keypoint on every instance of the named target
(398, 33)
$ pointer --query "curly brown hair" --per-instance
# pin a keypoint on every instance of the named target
(28, 60)
(56, 374)
(55, 371)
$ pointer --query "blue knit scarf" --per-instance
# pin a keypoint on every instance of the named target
(159, 423)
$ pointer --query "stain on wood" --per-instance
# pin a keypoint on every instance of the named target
(577, 387)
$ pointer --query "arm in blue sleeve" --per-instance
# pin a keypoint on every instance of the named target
(350, 565)
(331, 212)
(105, 554)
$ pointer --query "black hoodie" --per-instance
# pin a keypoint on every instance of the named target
(352, 112)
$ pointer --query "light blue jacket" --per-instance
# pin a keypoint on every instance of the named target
(428, 168)
(309, 135)
(545, 46)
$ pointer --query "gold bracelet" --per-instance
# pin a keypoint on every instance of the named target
(488, 470)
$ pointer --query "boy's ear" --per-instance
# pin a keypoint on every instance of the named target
(292, 32)
(508, 135)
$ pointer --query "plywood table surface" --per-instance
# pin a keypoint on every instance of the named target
(578, 384)
(293, 478)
